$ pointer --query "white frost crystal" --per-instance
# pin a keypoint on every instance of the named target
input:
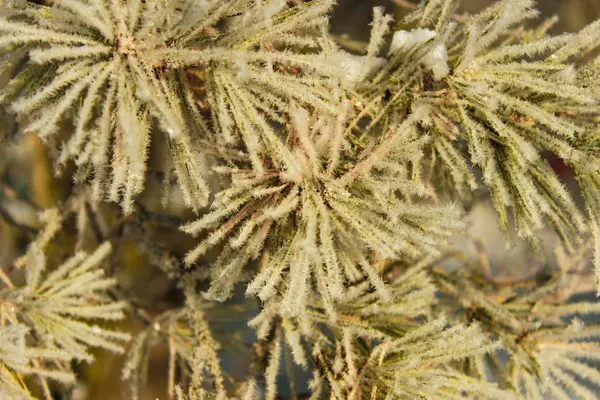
(436, 60)
(406, 40)
(356, 67)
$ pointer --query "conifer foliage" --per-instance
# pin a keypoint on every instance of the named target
(327, 185)
(52, 318)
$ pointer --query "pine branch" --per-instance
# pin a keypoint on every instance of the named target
(58, 312)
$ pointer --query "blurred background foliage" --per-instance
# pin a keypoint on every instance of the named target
(28, 183)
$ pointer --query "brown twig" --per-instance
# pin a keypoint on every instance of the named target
(6, 279)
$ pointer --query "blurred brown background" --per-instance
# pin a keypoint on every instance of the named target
(353, 16)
